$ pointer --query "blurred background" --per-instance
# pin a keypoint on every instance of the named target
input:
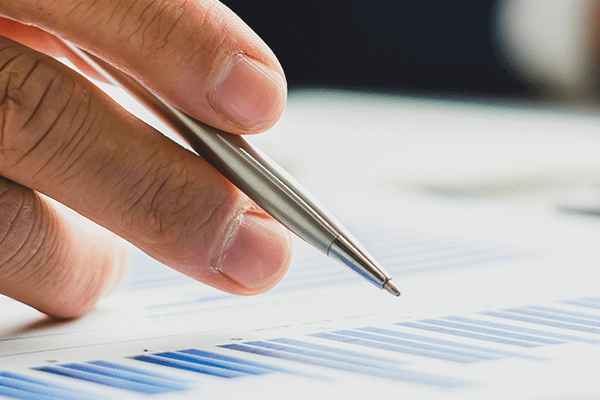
(506, 48)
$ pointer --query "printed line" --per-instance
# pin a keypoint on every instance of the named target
(583, 303)
(566, 312)
(12, 384)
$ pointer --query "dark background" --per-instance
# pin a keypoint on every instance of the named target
(431, 46)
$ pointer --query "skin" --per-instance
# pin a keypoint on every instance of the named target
(62, 140)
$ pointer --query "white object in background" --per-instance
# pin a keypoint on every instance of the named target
(550, 43)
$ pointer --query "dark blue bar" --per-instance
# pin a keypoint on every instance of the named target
(236, 360)
(491, 331)
(409, 347)
(555, 317)
(335, 350)
(539, 321)
(470, 335)
(531, 331)
(188, 366)
(103, 379)
(246, 369)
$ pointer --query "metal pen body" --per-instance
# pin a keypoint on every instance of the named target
(261, 179)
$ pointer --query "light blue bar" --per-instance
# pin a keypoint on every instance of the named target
(569, 320)
(443, 342)
(121, 367)
(583, 303)
(491, 331)
(408, 347)
(319, 354)
(566, 312)
(23, 395)
(539, 321)
(121, 373)
(102, 379)
(78, 394)
(531, 331)
(470, 335)
(188, 366)
(396, 375)
(335, 350)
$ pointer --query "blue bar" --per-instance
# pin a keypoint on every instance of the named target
(443, 342)
(246, 369)
(540, 321)
(121, 367)
(390, 374)
(491, 331)
(236, 360)
(319, 354)
(334, 350)
(23, 395)
(565, 312)
(416, 344)
(584, 303)
(121, 373)
(531, 331)
(103, 380)
(36, 389)
(75, 393)
(555, 317)
(469, 335)
(188, 366)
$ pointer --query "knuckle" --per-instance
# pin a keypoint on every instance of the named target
(173, 211)
(152, 25)
(42, 109)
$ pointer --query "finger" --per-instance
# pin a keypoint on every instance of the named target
(61, 136)
(42, 41)
(50, 262)
(197, 54)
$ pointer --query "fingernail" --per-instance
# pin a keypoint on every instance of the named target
(247, 93)
(257, 254)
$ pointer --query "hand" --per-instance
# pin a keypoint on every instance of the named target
(62, 137)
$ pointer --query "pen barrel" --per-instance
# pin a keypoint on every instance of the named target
(256, 175)
(242, 164)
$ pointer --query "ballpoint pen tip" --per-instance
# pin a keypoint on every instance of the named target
(391, 288)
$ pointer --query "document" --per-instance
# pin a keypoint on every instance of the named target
(496, 303)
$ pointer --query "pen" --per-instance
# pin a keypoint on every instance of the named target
(256, 175)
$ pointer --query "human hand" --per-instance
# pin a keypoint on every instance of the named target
(62, 137)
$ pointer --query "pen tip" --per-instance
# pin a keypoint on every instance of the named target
(391, 288)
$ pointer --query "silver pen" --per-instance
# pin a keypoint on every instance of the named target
(256, 175)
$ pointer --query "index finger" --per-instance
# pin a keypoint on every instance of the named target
(198, 55)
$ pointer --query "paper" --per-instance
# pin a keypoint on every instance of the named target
(496, 304)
